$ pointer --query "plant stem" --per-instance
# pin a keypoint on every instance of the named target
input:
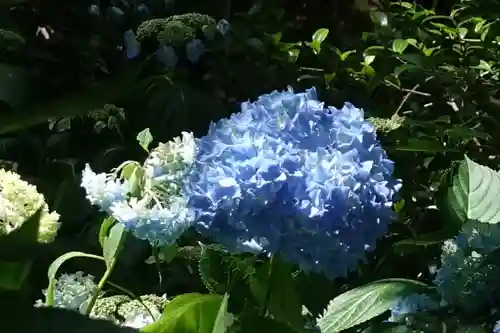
(100, 286)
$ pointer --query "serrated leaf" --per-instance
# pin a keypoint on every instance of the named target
(474, 193)
(54, 267)
(188, 313)
(145, 138)
(274, 285)
(361, 304)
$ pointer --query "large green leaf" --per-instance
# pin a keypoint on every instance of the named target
(113, 244)
(364, 303)
(474, 193)
(188, 313)
(275, 289)
(72, 104)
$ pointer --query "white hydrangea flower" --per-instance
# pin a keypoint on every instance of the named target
(19, 200)
(103, 189)
(169, 160)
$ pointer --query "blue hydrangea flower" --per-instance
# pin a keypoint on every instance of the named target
(223, 27)
(403, 310)
(132, 45)
(167, 56)
(287, 175)
(194, 50)
(464, 279)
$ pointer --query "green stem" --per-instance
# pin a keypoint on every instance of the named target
(100, 286)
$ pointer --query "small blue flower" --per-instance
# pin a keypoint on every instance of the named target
(403, 310)
(223, 27)
(288, 176)
(167, 56)
(132, 46)
(194, 50)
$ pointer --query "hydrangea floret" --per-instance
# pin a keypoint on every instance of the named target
(288, 175)
(19, 200)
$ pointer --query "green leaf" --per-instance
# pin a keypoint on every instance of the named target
(188, 313)
(14, 85)
(274, 287)
(113, 243)
(145, 138)
(361, 304)
(169, 252)
(318, 38)
(13, 274)
(399, 45)
(223, 319)
(473, 193)
(320, 35)
(462, 32)
(72, 104)
(106, 225)
(54, 267)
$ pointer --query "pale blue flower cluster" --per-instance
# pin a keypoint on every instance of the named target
(465, 279)
(161, 215)
(407, 307)
(72, 291)
(287, 175)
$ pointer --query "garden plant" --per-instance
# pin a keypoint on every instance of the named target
(256, 166)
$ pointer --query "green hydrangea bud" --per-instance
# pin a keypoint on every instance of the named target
(19, 200)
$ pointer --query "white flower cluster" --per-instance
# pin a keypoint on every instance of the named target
(19, 200)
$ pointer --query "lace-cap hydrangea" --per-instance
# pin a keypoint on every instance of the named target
(161, 215)
(465, 279)
(287, 175)
(72, 291)
(19, 200)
